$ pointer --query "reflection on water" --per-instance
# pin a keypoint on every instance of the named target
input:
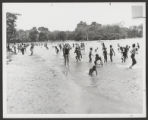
(93, 81)
(66, 70)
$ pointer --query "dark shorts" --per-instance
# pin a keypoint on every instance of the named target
(133, 56)
(133, 61)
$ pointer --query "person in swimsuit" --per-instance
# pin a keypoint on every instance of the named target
(111, 53)
(66, 50)
(31, 48)
(57, 50)
(98, 58)
(90, 55)
(105, 54)
(78, 53)
(133, 52)
(93, 69)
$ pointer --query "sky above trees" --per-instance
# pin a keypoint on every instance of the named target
(65, 16)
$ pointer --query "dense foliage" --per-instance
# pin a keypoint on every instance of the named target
(83, 31)
(10, 26)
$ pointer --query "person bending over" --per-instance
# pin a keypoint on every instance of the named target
(98, 58)
(93, 69)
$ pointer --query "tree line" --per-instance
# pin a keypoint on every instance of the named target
(83, 31)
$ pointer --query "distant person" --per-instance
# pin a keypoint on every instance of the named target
(8, 48)
(31, 48)
(112, 52)
(118, 47)
(103, 45)
(45, 45)
(96, 49)
(82, 46)
(127, 50)
(66, 50)
(93, 69)
(133, 52)
(78, 53)
(138, 46)
(104, 52)
(73, 45)
(18, 48)
(14, 47)
(123, 54)
(22, 48)
(57, 50)
(25, 46)
(90, 55)
(60, 46)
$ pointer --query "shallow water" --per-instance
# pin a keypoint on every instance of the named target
(45, 85)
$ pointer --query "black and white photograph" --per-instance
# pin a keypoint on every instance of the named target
(74, 59)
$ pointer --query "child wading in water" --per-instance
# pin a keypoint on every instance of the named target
(123, 54)
(98, 58)
(111, 53)
(66, 50)
(14, 46)
(57, 50)
(93, 69)
(22, 48)
(90, 55)
(45, 45)
(31, 48)
(105, 54)
(78, 53)
(133, 52)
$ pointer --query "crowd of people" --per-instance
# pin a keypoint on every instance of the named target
(16, 48)
(78, 48)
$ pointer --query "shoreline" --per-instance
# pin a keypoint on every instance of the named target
(60, 41)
